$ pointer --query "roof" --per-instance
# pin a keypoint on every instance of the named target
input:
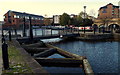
(107, 5)
(25, 14)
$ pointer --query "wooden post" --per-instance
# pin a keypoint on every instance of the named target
(30, 29)
(15, 33)
(24, 26)
(94, 30)
(59, 31)
(87, 68)
(42, 32)
(51, 32)
(35, 32)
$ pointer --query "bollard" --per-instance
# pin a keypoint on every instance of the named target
(9, 35)
(5, 56)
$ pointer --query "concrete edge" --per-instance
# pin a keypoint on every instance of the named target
(35, 66)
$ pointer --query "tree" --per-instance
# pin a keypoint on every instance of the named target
(92, 12)
(79, 20)
(64, 19)
(88, 22)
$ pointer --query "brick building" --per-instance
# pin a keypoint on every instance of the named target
(48, 21)
(108, 11)
(15, 19)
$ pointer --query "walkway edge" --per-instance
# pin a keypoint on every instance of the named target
(35, 66)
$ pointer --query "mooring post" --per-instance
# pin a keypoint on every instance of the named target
(51, 31)
(35, 32)
(15, 32)
(9, 35)
(66, 31)
(30, 29)
(94, 30)
(5, 55)
(59, 31)
(24, 26)
(103, 30)
(42, 32)
(78, 29)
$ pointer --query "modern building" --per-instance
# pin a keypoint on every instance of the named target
(14, 19)
(56, 19)
(119, 8)
(108, 11)
(108, 17)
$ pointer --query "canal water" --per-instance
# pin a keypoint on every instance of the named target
(103, 56)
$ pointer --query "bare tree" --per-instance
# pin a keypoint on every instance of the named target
(92, 12)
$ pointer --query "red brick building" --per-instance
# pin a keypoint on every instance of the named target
(15, 19)
(108, 11)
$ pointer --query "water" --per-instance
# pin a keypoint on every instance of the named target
(56, 56)
(103, 56)
(51, 40)
(64, 71)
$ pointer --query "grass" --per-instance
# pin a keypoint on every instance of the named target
(16, 62)
(0, 52)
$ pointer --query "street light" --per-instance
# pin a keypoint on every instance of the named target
(84, 17)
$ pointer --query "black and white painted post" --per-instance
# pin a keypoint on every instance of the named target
(5, 53)
(10, 35)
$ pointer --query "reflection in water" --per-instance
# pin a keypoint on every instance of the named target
(36, 32)
(103, 56)
(56, 56)
(51, 40)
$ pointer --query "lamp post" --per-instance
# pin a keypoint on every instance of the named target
(84, 17)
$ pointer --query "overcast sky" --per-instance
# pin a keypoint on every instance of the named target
(52, 7)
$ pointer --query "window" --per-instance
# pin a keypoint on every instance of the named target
(104, 11)
(15, 16)
(5, 17)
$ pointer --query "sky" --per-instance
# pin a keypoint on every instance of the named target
(53, 7)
